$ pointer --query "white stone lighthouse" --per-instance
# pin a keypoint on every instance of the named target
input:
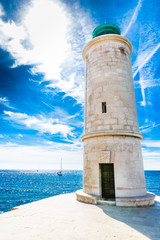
(113, 169)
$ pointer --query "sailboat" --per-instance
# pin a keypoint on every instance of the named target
(60, 172)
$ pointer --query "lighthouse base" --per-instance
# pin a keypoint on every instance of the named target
(144, 201)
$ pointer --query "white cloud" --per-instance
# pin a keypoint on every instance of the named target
(4, 101)
(40, 38)
(72, 74)
(151, 158)
(151, 154)
(40, 123)
(39, 157)
(51, 37)
(151, 144)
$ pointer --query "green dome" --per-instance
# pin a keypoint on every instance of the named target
(106, 28)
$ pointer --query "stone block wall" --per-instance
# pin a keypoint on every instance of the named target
(109, 79)
(125, 153)
(111, 137)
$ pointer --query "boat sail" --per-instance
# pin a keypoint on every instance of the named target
(60, 172)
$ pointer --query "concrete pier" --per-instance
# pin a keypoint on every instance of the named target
(63, 218)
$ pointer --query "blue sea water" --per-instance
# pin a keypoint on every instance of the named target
(21, 187)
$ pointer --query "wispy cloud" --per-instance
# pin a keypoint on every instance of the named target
(144, 57)
(146, 64)
(4, 101)
(134, 17)
(74, 145)
(76, 120)
(20, 135)
(148, 127)
(40, 123)
(48, 106)
(147, 83)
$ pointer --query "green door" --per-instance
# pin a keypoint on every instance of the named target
(107, 181)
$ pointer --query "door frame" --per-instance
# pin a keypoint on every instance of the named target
(100, 179)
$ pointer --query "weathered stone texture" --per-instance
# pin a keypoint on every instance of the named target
(125, 153)
(111, 137)
(109, 79)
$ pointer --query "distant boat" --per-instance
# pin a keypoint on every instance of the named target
(60, 172)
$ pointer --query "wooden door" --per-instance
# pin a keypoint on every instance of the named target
(107, 181)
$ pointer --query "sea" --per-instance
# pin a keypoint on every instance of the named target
(18, 187)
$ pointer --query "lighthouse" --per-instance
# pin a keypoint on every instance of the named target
(113, 169)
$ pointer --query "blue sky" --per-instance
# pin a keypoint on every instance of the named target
(42, 77)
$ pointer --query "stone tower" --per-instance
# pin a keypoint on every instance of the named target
(113, 169)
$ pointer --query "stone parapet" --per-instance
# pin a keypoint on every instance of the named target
(143, 201)
(84, 197)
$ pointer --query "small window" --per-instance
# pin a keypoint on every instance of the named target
(104, 108)
(122, 50)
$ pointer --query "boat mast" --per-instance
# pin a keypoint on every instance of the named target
(61, 165)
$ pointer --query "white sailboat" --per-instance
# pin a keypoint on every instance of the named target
(60, 172)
